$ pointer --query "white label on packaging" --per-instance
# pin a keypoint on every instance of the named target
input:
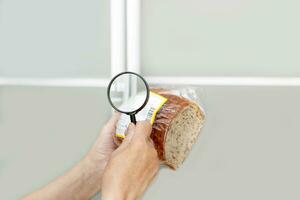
(153, 105)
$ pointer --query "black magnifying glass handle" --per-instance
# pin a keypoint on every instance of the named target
(133, 119)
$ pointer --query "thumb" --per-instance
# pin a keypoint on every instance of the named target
(110, 126)
(129, 134)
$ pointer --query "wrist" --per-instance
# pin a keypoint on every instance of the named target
(113, 195)
(94, 166)
(114, 190)
(92, 171)
(94, 163)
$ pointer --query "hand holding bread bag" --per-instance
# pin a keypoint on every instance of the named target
(175, 128)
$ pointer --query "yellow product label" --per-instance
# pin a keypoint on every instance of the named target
(163, 101)
(149, 112)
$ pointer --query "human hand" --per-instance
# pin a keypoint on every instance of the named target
(83, 181)
(132, 166)
(104, 145)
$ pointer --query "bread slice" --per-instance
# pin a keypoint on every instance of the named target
(175, 129)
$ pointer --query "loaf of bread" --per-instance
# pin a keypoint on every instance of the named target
(176, 128)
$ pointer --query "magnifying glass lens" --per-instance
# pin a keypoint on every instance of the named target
(128, 93)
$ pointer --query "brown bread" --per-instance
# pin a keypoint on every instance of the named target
(175, 129)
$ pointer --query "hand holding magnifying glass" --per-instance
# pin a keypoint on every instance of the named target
(128, 93)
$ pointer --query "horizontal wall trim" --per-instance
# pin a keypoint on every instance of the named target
(51, 82)
(196, 81)
(226, 81)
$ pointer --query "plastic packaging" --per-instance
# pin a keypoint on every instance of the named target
(181, 109)
(158, 97)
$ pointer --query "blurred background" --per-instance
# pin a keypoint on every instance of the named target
(249, 147)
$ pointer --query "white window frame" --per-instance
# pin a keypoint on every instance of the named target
(125, 33)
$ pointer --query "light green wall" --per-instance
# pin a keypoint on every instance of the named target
(54, 38)
(221, 38)
(44, 132)
(247, 150)
(249, 146)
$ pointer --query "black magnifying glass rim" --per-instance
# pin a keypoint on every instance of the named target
(140, 108)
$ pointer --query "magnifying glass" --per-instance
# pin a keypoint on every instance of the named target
(128, 93)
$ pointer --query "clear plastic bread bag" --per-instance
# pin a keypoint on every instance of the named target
(159, 97)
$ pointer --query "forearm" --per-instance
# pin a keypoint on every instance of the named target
(81, 182)
(116, 194)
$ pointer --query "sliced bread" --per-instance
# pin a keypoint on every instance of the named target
(175, 129)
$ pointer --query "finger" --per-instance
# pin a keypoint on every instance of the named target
(130, 132)
(114, 120)
(110, 126)
(143, 129)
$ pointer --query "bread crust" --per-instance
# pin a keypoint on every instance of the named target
(164, 118)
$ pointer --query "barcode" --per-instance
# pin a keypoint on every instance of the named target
(150, 113)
